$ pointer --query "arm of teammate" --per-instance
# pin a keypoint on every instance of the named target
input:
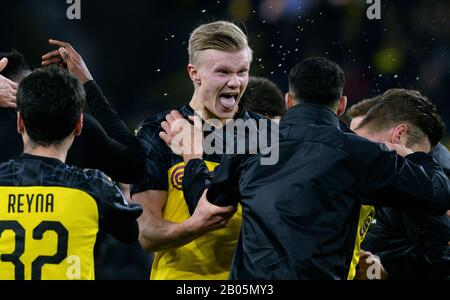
(95, 149)
(122, 156)
(116, 216)
(370, 267)
(413, 181)
(156, 233)
(428, 255)
(186, 139)
(8, 89)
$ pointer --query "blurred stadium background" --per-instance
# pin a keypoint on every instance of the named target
(136, 49)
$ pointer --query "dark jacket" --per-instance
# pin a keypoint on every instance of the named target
(412, 244)
(303, 217)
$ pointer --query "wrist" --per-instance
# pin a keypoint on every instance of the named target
(191, 226)
(189, 157)
(85, 80)
(87, 83)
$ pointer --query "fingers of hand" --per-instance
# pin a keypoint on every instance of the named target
(177, 124)
(64, 45)
(3, 63)
(176, 114)
(51, 61)
(165, 125)
(364, 254)
(170, 119)
(11, 104)
(197, 122)
(54, 53)
(13, 85)
(57, 43)
(164, 136)
(64, 54)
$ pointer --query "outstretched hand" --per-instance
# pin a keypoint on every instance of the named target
(8, 88)
(182, 137)
(370, 267)
(66, 56)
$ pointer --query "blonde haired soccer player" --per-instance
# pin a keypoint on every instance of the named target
(194, 244)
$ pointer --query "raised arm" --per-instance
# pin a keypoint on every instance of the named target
(121, 154)
(414, 181)
(156, 233)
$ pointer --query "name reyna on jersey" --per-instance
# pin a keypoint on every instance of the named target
(31, 203)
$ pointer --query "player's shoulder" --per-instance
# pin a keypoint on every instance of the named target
(252, 115)
(262, 123)
(93, 182)
(151, 126)
(7, 170)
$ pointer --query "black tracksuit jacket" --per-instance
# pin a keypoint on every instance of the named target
(304, 218)
(413, 244)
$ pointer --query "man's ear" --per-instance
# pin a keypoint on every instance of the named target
(79, 125)
(342, 106)
(193, 74)
(400, 134)
(20, 124)
(288, 100)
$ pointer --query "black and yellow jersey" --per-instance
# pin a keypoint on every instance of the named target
(209, 256)
(50, 214)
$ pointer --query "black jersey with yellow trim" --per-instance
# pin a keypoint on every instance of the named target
(160, 158)
(50, 214)
(209, 256)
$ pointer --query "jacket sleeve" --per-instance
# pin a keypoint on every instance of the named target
(116, 216)
(411, 245)
(196, 180)
(155, 175)
(426, 258)
(416, 181)
(224, 188)
(223, 185)
(122, 157)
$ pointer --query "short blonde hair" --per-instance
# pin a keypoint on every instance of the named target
(220, 35)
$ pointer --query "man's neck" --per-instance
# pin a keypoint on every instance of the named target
(205, 114)
(424, 147)
(49, 152)
(199, 108)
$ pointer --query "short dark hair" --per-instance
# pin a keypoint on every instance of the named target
(50, 102)
(263, 97)
(17, 68)
(362, 108)
(401, 105)
(317, 80)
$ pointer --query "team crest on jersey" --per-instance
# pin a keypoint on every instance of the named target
(177, 178)
(367, 222)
